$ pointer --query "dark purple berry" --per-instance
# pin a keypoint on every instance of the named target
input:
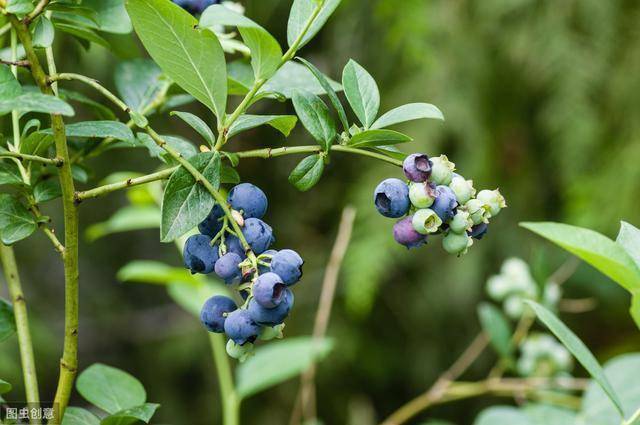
(199, 255)
(405, 234)
(213, 314)
(478, 231)
(234, 245)
(211, 225)
(417, 167)
(391, 198)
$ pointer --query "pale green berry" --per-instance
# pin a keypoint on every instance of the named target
(461, 222)
(442, 170)
(492, 199)
(421, 195)
(268, 333)
(462, 188)
(240, 352)
(426, 221)
(551, 294)
(456, 243)
(514, 306)
(478, 211)
(498, 287)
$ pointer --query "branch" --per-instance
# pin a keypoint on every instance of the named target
(12, 277)
(36, 11)
(106, 189)
(93, 83)
(22, 63)
(56, 162)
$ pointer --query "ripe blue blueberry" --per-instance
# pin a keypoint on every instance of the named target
(199, 255)
(391, 198)
(195, 7)
(240, 327)
(271, 316)
(417, 167)
(288, 265)
(478, 231)
(405, 234)
(259, 235)
(268, 290)
(213, 313)
(249, 199)
(266, 257)
(227, 267)
(234, 245)
(445, 203)
(211, 225)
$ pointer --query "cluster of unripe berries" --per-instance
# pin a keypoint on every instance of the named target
(542, 356)
(263, 276)
(436, 201)
(515, 284)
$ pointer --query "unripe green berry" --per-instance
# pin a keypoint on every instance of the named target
(442, 170)
(493, 200)
(478, 211)
(426, 221)
(268, 332)
(421, 195)
(461, 222)
(456, 243)
(462, 188)
(514, 306)
(240, 352)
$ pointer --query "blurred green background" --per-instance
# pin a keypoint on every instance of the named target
(541, 99)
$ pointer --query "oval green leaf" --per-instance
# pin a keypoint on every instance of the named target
(110, 389)
(307, 173)
(361, 91)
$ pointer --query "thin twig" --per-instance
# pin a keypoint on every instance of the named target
(103, 190)
(21, 63)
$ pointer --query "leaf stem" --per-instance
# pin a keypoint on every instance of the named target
(103, 190)
(69, 360)
(57, 162)
(12, 277)
(228, 395)
(93, 83)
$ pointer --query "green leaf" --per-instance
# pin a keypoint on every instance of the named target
(43, 33)
(9, 87)
(110, 389)
(370, 138)
(501, 415)
(578, 349)
(283, 123)
(307, 173)
(47, 190)
(186, 202)
(629, 239)
(277, 362)
(623, 372)
(326, 85)
(362, 92)
(98, 129)
(138, 82)
(111, 15)
(391, 152)
(101, 111)
(79, 416)
(596, 249)
(192, 58)
(126, 219)
(198, 125)
(229, 175)
(36, 102)
(132, 415)
(154, 272)
(301, 12)
(497, 328)
(409, 112)
(10, 175)
(16, 222)
(5, 387)
(266, 53)
(184, 147)
(19, 7)
(36, 143)
(315, 117)
(7, 328)
(532, 414)
(82, 33)
(291, 77)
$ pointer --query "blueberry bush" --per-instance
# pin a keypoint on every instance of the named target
(236, 279)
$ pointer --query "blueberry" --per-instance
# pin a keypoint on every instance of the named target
(262, 269)
(234, 245)
(288, 265)
(426, 221)
(405, 234)
(213, 312)
(199, 255)
(271, 316)
(211, 225)
(391, 198)
(456, 243)
(478, 231)
(240, 352)
(422, 195)
(195, 7)
(227, 268)
(417, 167)
(249, 199)
(445, 203)
(240, 327)
(493, 200)
(461, 222)
(268, 290)
(442, 170)
(259, 235)
(462, 188)
(478, 211)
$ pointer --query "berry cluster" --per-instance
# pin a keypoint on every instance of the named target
(543, 356)
(263, 276)
(436, 201)
(195, 7)
(515, 284)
